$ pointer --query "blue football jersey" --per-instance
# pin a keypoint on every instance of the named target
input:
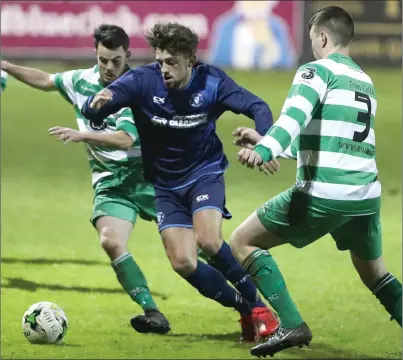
(177, 128)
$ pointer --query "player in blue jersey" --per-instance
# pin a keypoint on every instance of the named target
(176, 103)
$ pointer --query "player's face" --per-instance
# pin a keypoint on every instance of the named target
(176, 70)
(317, 43)
(111, 63)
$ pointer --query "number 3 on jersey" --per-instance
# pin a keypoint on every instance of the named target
(363, 117)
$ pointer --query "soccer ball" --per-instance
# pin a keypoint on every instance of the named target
(44, 323)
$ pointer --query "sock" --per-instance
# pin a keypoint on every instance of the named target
(211, 284)
(270, 282)
(225, 262)
(388, 290)
(133, 281)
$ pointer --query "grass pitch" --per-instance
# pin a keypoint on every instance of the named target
(49, 250)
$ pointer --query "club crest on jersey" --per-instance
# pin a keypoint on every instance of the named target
(98, 127)
(308, 73)
(197, 100)
(160, 217)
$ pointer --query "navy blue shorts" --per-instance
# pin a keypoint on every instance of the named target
(176, 207)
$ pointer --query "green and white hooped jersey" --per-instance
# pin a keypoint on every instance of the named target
(328, 117)
(3, 80)
(76, 86)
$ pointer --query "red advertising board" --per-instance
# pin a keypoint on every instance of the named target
(227, 29)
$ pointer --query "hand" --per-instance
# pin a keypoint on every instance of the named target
(246, 137)
(249, 157)
(3, 65)
(100, 99)
(67, 135)
(270, 167)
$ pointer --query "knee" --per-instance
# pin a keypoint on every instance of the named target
(211, 246)
(180, 249)
(208, 242)
(237, 245)
(181, 261)
(182, 264)
(110, 240)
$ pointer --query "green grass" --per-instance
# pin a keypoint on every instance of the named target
(46, 205)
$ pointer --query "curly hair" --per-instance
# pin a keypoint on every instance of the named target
(111, 36)
(175, 38)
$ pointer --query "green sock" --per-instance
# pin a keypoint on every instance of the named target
(268, 279)
(133, 281)
(388, 290)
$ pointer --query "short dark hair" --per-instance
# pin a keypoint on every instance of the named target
(111, 36)
(175, 38)
(337, 20)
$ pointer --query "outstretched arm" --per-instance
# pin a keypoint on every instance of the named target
(305, 96)
(33, 77)
(118, 140)
(123, 138)
(249, 138)
(120, 94)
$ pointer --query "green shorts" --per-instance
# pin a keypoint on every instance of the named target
(124, 199)
(293, 216)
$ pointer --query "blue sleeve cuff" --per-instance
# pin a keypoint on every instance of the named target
(86, 110)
